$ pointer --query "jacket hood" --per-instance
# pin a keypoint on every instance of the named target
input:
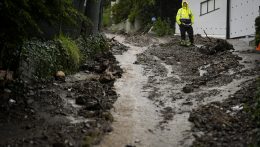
(186, 3)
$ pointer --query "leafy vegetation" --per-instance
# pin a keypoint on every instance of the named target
(41, 59)
(71, 50)
(129, 9)
(106, 16)
(92, 45)
(21, 19)
(146, 9)
(162, 27)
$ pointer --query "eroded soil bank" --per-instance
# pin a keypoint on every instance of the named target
(74, 112)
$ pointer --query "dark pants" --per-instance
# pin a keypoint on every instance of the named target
(189, 30)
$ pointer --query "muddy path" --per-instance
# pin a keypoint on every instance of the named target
(163, 82)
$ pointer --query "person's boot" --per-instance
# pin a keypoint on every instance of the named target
(183, 42)
(188, 43)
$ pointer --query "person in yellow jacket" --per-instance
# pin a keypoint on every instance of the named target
(185, 19)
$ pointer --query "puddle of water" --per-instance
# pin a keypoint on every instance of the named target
(73, 118)
(198, 45)
(169, 70)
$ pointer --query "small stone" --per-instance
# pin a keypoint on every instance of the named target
(60, 75)
(7, 91)
(31, 93)
(137, 141)
(12, 101)
(130, 145)
(187, 89)
(187, 103)
(87, 125)
(83, 131)
(28, 127)
(71, 144)
(136, 62)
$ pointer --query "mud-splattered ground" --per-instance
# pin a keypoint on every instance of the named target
(192, 76)
(57, 113)
(228, 123)
(178, 81)
(168, 95)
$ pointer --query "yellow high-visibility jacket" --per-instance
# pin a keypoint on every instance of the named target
(184, 13)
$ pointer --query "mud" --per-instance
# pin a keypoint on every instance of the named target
(164, 94)
(164, 82)
(228, 123)
(56, 113)
(186, 78)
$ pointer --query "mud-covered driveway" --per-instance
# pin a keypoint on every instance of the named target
(163, 82)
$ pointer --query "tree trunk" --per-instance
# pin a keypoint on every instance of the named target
(93, 10)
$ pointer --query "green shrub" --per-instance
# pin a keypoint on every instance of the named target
(106, 17)
(257, 26)
(121, 10)
(72, 51)
(41, 59)
(21, 20)
(162, 27)
(92, 45)
(129, 9)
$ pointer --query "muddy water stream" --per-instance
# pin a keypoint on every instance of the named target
(137, 118)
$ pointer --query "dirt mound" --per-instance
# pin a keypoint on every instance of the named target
(228, 123)
(139, 40)
(213, 47)
(116, 47)
(47, 112)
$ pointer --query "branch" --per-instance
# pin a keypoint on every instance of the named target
(207, 36)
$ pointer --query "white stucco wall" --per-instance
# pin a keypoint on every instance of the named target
(214, 23)
(242, 17)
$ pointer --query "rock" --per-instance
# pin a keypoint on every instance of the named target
(31, 142)
(58, 145)
(188, 89)
(7, 91)
(187, 103)
(83, 131)
(89, 102)
(12, 101)
(31, 93)
(71, 144)
(60, 76)
(106, 78)
(136, 62)
(212, 48)
(130, 145)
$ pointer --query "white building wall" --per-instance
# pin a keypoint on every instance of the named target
(242, 17)
(214, 23)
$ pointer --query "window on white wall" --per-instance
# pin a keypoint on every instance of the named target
(207, 7)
